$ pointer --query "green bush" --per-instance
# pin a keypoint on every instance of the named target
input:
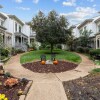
(4, 52)
(95, 52)
(2, 57)
(19, 51)
(34, 46)
(48, 47)
(83, 49)
(13, 51)
(80, 49)
(59, 46)
(96, 70)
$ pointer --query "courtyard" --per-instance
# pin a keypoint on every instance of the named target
(47, 86)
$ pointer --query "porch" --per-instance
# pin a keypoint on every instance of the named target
(21, 41)
(6, 38)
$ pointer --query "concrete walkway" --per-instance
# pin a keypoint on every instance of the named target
(47, 86)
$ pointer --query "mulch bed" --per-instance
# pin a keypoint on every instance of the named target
(87, 88)
(11, 93)
(47, 68)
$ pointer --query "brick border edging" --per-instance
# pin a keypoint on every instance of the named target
(26, 90)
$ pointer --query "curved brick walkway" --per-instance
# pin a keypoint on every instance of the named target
(47, 86)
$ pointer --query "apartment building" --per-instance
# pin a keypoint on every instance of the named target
(15, 33)
(92, 24)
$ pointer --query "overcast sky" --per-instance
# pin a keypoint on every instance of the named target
(75, 10)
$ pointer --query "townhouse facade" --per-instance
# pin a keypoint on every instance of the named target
(15, 33)
(92, 25)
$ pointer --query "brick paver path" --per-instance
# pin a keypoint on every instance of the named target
(47, 86)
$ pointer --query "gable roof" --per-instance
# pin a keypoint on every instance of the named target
(16, 18)
(85, 22)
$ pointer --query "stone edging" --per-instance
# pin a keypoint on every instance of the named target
(23, 96)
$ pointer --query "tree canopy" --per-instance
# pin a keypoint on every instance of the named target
(52, 29)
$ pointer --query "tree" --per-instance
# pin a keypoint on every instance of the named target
(70, 39)
(52, 29)
(84, 37)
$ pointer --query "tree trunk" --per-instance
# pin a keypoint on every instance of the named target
(51, 48)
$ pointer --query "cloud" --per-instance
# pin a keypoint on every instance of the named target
(94, 5)
(80, 14)
(35, 1)
(19, 1)
(23, 8)
(55, 0)
(69, 3)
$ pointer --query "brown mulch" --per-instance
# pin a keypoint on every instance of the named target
(47, 68)
(11, 93)
(87, 88)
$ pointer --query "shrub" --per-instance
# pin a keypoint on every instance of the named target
(83, 49)
(7, 74)
(13, 51)
(48, 47)
(59, 46)
(80, 49)
(4, 52)
(11, 82)
(34, 46)
(95, 52)
(86, 50)
(96, 70)
(19, 51)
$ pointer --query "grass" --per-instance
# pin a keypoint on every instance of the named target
(97, 62)
(60, 55)
(96, 70)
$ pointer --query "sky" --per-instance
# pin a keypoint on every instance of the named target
(75, 11)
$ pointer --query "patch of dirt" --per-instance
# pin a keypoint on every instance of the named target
(87, 88)
(11, 93)
(47, 68)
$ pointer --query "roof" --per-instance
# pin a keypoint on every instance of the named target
(16, 18)
(3, 15)
(86, 21)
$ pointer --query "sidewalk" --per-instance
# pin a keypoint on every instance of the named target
(48, 86)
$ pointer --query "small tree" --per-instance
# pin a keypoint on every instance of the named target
(50, 29)
(84, 37)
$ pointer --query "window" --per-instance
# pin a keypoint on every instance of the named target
(99, 28)
(16, 27)
(20, 29)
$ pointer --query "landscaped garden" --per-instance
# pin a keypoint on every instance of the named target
(11, 88)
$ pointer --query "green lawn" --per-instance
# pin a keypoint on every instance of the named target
(60, 55)
(96, 70)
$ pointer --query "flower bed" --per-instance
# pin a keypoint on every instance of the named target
(47, 68)
(11, 92)
(87, 88)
